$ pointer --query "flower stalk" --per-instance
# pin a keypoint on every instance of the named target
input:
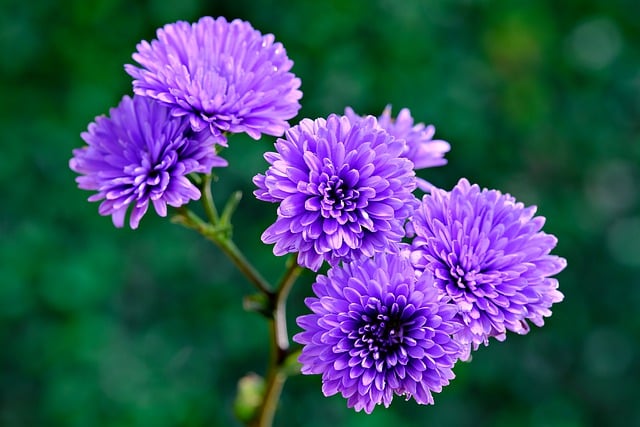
(277, 374)
(217, 229)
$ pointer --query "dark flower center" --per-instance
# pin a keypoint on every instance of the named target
(337, 197)
(153, 177)
(381, 331)
(463, 278)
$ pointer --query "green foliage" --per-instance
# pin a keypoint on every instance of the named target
(110, 327)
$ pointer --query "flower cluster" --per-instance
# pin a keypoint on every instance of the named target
(413, 285)
(197, 83)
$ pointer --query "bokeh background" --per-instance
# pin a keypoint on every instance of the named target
(106, 327)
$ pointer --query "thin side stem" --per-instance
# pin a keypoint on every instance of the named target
(207, 200)
(280, 305)
(226, 245)
(231, 250)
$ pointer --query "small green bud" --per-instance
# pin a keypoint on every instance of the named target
(251, 390)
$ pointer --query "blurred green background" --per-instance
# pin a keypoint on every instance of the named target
(106, 327)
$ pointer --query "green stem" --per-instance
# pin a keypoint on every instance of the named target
(276, 376)
(280, 306)
(218, 231)
(207, 200)
(275, 383)
(218, 235)
(231, 250)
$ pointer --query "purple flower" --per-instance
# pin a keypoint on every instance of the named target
(141, 155)
(486, 251)
(377, 331)
(224, 76)
(421, 149)
(342, 187)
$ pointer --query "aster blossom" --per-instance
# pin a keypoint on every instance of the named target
(224, 76)
(141, 155)
(487, 252)
(343, 191)
(377, 331)
(421, 148)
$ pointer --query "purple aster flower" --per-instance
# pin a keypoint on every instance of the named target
(342, 187)
(486, 251)
(376, 330)
(224, 76)
(141, 155)
(421, 149)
